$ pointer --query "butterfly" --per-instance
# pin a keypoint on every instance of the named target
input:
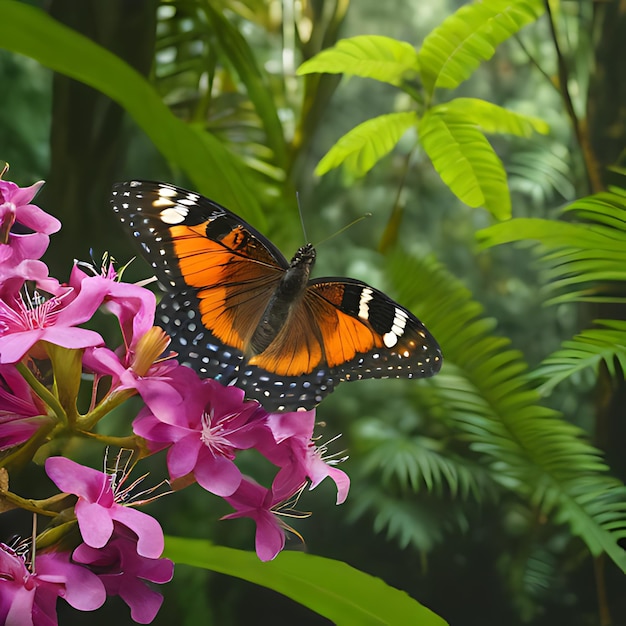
(238, 311)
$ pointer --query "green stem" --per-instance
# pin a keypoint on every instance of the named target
(87, 422)
(26, 504)
(580, 126)
(41, 390)
(130, 442)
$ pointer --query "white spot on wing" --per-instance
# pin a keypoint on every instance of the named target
(174, 215)
(364, 309)
(390, 339)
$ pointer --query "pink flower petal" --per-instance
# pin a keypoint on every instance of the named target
(20, 612)
(150, 542)
(183, 455)
(83, 589)
(144, 602)
(270, 537)
(95, 523)
(218, 475)
(85, 482)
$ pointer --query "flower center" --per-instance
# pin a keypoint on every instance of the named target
(30, 312)
(216, 434)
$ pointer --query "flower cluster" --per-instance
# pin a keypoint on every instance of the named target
(99, 543)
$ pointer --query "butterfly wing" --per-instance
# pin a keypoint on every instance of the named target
(342, 330)
(218, 271)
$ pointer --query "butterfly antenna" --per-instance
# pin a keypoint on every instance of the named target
(306, 239)
(341, 230)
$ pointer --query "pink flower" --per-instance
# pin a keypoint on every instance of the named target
(19, 252)
(21, 412)
(206, 435)
(124, 573)
(262, 505)
(29, 599)
(286, 442)
(98, 507)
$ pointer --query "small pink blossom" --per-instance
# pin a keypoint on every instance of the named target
(124, 573)
(29, 599)
(98, 507)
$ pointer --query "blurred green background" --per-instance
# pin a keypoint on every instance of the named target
(479, 554)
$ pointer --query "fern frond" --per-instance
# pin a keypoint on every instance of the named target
(452, 51)
(369, 56)
(407, 521)
(539, 171)
(366, 144)
(414, 462)
(465, 161)
(582, 253)
(587, 350)
(484, 393)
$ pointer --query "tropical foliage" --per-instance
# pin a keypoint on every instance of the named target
(451, 133)
(499, 462)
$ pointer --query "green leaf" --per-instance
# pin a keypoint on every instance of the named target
(492, 118)
(452, 51)
(366, 144)
(369, 56)
(243, 59)
(333, 589)
(214, 170)
(465, 161)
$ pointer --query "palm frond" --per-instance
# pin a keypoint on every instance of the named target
(225, 93)
(580, 255)
(483, 391)
(452, 51)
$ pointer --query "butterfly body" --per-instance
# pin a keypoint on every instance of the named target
(238, 311)
(284, 301)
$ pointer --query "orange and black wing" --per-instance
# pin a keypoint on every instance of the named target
(342, 330)
(218, 272)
